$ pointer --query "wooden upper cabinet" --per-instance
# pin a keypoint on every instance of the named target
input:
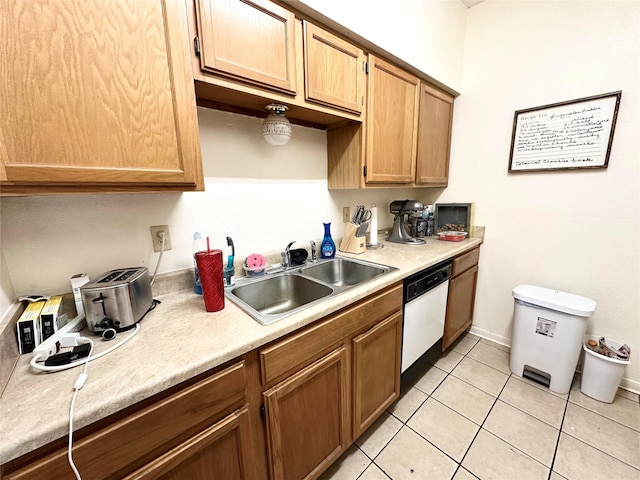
(434, 137)
(391, 124)
(334, 70)
(97, 97)
(252, 40)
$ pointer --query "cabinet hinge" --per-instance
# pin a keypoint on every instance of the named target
(364, 170)
(196, 45)
(366, 68)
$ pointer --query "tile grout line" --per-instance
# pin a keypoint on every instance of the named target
(459, 464)
(489, 413)
(404, 423)
(496, 398)
(604, 416)
(601, 451)
(479, 430)
(555, 450)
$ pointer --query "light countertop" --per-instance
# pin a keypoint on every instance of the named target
(177, 341)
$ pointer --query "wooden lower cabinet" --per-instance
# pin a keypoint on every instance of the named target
(308, 418)
(332, 379)
(285, 411)
(193, 432)
(376, 371)
(462, 296)
(219, 452)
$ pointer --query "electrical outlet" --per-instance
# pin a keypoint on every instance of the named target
(346, 215)
(156, 238)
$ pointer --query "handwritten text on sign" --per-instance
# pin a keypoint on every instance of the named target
(563, 136)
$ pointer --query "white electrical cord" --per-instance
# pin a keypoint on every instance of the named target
(76, 387)
(162, 240)
(90, 358)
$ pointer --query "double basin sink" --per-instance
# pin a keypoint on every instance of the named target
(274, 296)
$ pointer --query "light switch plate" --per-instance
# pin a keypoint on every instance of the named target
(346, 217)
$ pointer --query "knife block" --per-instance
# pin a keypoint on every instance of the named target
(352, 244)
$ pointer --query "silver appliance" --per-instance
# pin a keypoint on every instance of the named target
(425, 308)
(403, 210)
(118, 299)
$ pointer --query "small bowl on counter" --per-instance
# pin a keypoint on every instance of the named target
(452, 236)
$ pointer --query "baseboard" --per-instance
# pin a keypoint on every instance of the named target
(630, 385)
(490, 336)
(625, 383)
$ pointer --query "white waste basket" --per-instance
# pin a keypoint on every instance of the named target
(601, 375)
(548, 327)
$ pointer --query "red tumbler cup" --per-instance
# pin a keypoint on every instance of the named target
(209, 264)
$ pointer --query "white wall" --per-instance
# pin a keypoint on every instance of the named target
(260, 195)
(428, 34)
(574, 231)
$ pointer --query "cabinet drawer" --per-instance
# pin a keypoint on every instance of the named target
(465, 261)
(121, 447)
(300, 349)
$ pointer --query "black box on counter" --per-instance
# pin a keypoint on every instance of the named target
(28, 326)
(457, 217)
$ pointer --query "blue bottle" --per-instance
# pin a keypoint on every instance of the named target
(328, 246)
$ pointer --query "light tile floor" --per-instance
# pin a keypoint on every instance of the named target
(469, 418)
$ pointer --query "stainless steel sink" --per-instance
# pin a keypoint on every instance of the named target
(342, 272)
(278, 295)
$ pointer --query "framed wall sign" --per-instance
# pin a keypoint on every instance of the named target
(573, 134)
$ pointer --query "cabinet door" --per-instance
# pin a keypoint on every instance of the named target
(334, 70)
(392, 122)
(248, 39)
(97, 94)
(308, 419)
(221, 451)
(116, 448)
(434, 137)
(376, 371)
(462, 295)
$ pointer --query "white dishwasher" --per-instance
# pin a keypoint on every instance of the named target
(425, 307)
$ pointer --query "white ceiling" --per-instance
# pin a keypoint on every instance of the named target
(470, 3)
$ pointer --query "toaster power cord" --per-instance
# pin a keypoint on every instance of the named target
(88, 359)
(81, 380)
(162, 241)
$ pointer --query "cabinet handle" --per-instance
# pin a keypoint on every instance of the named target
(196, 45)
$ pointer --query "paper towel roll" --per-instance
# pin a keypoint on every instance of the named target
(373, 225)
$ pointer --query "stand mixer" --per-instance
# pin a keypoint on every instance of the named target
(402, 209)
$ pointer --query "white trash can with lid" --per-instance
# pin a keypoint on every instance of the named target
(548, 329)
(601, 375)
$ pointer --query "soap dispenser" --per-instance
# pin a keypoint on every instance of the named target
(328, 246)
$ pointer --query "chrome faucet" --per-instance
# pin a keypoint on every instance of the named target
(314, 256)
(286, 255)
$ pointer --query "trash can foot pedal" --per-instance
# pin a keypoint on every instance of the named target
(536, 376)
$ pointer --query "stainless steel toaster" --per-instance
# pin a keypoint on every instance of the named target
(118, 299)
